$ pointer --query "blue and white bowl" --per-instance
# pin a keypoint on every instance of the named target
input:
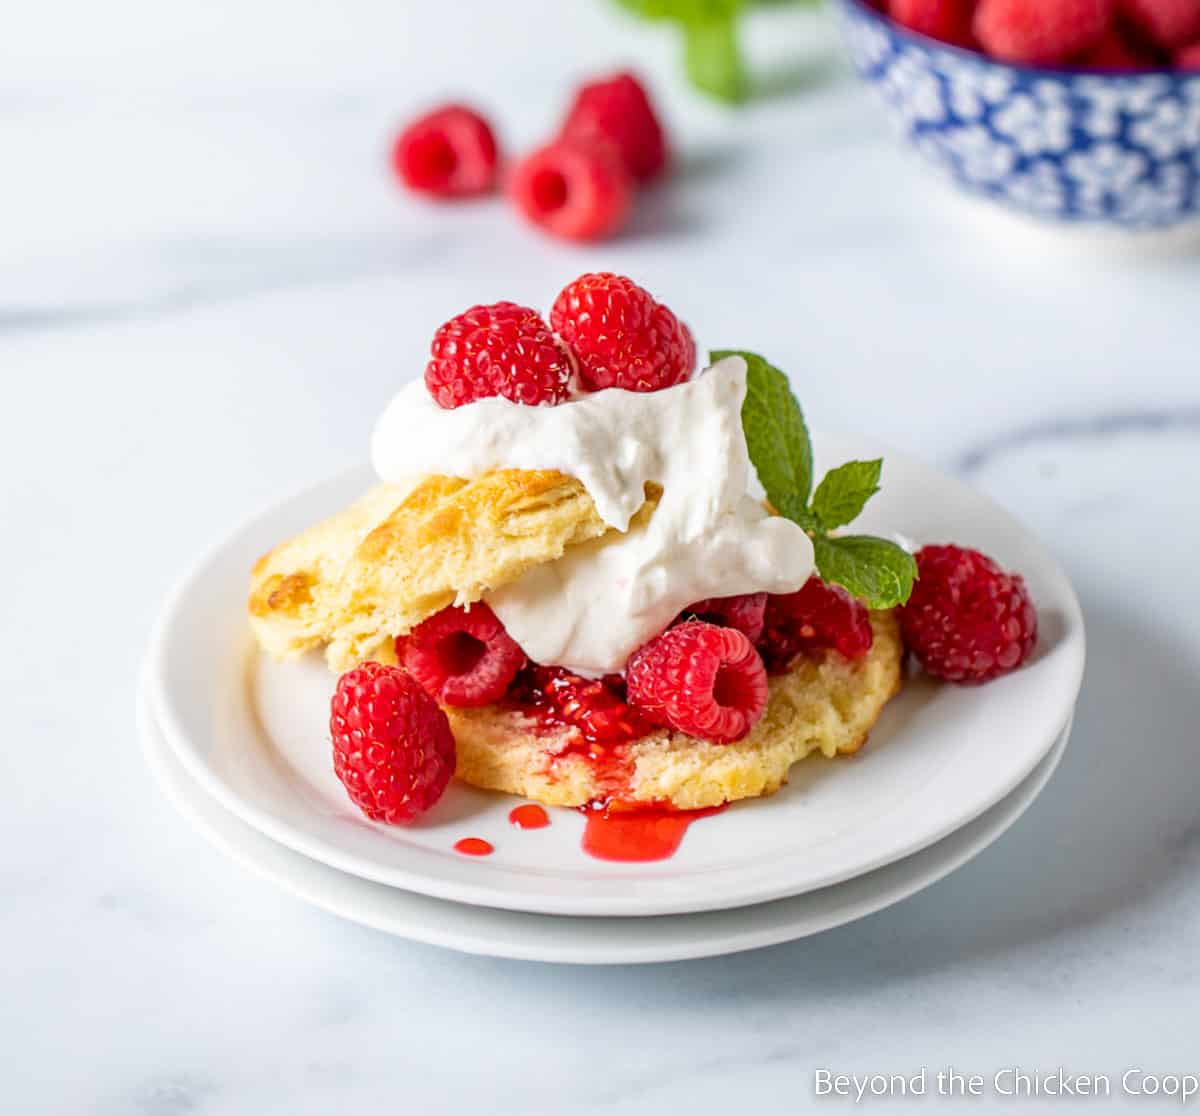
(1069, 145)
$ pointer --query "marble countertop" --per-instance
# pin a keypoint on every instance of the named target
(208, 287)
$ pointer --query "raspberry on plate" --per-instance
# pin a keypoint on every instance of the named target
(1169, 23)
(967, 620)
(502, 349)
(817, 617)
(574, 189)
(1041, 32)
(947, 20)
(617, 111)
(1188, 58)
(449, 153)
(620, 336)
(392, 746)
(744, 612)
(461, 656)
(699, 679)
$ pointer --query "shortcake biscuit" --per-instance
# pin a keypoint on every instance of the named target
(824, 703)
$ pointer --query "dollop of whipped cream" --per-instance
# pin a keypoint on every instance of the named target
(708, 537)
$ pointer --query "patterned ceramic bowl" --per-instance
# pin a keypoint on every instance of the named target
(1068, 145)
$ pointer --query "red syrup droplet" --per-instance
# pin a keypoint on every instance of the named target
(529, 816)
(638, 835)
(474, 846)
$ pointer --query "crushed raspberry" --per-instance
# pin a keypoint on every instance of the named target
(617, 111)
(967, 620)
(450, 152)
(502, 349)
(573, 189)
(744, 612)
(818, 617)
(1188, 58)
(461, 656)
(1041, 32)
(392, 745)
(700, 679)
(596, 707)
(620, 336)
(946, 20)
(1169, 23)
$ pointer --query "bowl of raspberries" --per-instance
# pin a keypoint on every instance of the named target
(1080, 111)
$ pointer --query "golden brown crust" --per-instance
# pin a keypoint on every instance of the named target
(822, 704)
(293, 588)
(375, 570)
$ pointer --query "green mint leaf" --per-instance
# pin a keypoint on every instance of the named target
(844, 492)
(874, 570)
(776, 436)
(712, 58)
(683, 11)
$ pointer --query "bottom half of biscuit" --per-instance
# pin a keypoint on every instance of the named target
(824, 703)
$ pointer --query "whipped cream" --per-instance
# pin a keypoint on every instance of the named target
(709, 536)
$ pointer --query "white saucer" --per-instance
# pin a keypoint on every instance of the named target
(581, 941)
(254, 734)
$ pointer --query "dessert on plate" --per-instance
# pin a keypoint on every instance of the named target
(593, 576)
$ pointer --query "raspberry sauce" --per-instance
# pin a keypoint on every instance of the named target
(603, 722)
(529, 816)
(638, 835)
(474, 846)
(595, 706)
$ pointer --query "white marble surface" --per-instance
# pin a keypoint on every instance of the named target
(207, 288)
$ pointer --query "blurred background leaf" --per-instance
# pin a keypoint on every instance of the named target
(712, 54)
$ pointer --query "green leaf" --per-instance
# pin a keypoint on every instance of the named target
(683, 11)
(776, 436)
(844, 492)
(712, 58)
(875, 570)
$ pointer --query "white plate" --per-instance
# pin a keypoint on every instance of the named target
(254, 734)
(580, 941)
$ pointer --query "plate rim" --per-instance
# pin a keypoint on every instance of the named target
(425, 920)
(463, 888)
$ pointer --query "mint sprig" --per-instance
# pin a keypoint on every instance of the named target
(873, 569)
(712, 53)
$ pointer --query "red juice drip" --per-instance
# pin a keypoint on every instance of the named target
(529, 816)
(638, 835)
(474, 846)
(595, 707)
(600, 722)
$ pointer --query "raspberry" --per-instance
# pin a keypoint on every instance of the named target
(502, 349)
(448, 153)
(619, 336)
(1041, 31)
(461, 656)
(392, 745)
(1116, 51)
(573, 189)
(1188, 58)
(1169, 23)
(595, 706)
(744, 612)
(947, 20)
(967, 620)
(617, 111)
(700, 679)
(817, 617)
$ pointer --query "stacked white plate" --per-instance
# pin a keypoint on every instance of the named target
(240, 745)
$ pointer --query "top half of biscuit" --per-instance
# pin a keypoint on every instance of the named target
(373, 571)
